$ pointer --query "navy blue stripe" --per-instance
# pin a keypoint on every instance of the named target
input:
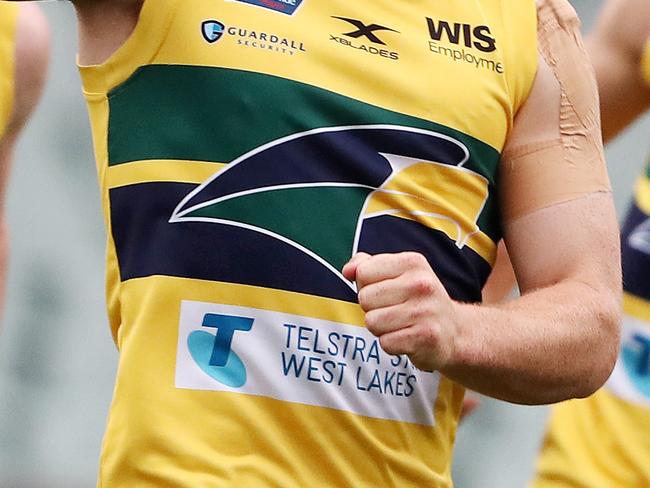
(147, 244)
(462, 271)
(636, 263)
(346, 156)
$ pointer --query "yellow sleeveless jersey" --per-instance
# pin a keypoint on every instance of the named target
(8, 17)
(246, 150)
(604, 440)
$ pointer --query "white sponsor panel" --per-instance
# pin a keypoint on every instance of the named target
(304, 360)
(625, 382)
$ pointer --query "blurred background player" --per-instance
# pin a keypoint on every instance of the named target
(24, 54)
(202, 274)
(604, 441)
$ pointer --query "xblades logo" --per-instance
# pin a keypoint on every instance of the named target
(367, 32)
(478, 37)
(213, 353)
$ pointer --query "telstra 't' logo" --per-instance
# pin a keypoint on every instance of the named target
(213, 353)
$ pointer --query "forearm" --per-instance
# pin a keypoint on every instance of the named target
(549, 345)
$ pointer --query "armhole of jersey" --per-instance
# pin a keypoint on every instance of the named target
(8, 23)
(520, 49)
(139, 49)
(645, 63)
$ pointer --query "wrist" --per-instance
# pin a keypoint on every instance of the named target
(465, 321)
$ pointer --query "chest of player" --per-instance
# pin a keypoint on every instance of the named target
(302, 128)
(437, 62)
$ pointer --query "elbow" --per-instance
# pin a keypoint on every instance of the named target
(602, 351)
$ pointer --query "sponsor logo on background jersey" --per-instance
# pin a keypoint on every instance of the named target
(213, 31)
(300, 360)
(639, 238)
(630, 379)
(288, 7)
(365, 37)
(635, 354)
(456, 41)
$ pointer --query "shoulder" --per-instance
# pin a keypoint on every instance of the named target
(32, 56)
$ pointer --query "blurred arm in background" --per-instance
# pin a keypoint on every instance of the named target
(31, 45)
(616, 47)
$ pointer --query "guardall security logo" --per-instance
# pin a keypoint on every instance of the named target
(214, 30)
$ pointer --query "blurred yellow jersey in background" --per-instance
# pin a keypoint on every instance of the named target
(604, 441)
(8, 17)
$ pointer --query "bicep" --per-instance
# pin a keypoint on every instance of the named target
(574, 240)
(559, 219)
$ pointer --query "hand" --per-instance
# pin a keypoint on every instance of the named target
(406, 307)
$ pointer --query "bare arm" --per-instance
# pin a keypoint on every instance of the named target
(104, 25)
(559, 339)
(32, 54)
(615, 46)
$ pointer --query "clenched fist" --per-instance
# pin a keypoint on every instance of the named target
(406, 307)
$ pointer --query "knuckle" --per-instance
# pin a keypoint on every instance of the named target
(415, 314)
(422, 285)
(430, 335)
(413, 259)
(363, 270)
(364, 299)
(372, 321)
(409, 348)
(388, 345)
